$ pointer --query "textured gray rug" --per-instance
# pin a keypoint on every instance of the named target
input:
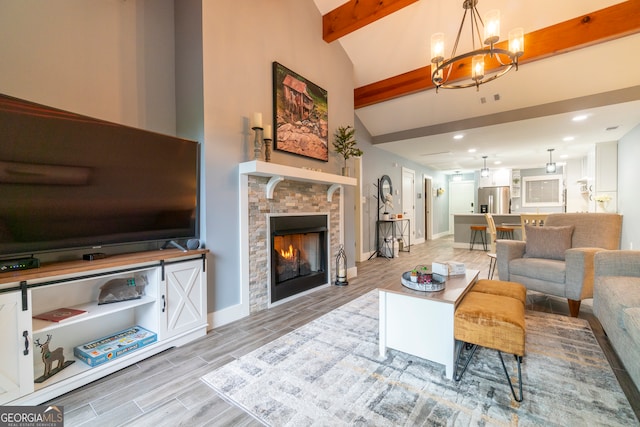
(329, 373)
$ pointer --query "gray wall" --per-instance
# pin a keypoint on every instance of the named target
(113, 60)
(377, 162)
(124, 61)
(241, 39)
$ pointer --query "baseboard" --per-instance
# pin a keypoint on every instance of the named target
(440, 235)
(352, 272)
(225, 316)
(364, 256)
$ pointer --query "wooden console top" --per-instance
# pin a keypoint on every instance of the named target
(48, 270)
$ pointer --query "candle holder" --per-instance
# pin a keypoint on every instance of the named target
(267, 149)
(257, 142)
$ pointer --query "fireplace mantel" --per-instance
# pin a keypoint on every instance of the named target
(278, 173)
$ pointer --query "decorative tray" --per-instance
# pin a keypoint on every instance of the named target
(432, 284)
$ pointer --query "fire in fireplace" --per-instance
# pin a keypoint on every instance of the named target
(298, 254)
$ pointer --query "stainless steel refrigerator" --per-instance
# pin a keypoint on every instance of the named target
(494, 200)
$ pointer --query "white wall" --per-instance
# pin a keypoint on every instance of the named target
(628, 179)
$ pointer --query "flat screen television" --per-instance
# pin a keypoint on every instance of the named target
(68, 182)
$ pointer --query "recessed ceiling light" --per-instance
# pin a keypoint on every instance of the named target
(472, 150)
(497, 162)
(580, 118)
(458, 136)
(564, 156)
(568, 138)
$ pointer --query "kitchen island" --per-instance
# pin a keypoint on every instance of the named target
(463, 222)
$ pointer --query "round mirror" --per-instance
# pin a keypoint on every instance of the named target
(385, 188)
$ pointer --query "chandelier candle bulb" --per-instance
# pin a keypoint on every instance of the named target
(437, 48)
(516, 41)
(492, 28)
(477, 67)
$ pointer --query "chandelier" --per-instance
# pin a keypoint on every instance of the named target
(506, 59)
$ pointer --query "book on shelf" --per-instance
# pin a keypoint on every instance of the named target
(59, 314)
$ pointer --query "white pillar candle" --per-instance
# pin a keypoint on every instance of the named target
(257, 120)
(267, 132)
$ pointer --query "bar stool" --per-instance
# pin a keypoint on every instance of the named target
(478, 230)
(504, 232)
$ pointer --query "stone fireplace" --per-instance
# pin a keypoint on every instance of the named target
(293, 207)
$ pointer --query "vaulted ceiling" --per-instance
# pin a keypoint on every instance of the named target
(579, 58)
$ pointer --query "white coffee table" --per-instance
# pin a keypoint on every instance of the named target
(421, 323)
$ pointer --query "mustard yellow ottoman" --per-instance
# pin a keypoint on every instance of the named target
(499, 287)
(491, 315)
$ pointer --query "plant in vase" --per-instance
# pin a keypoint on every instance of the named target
(345, 145)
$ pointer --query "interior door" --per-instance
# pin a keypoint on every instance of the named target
(428, 218)
(461, 199)
(408, 198)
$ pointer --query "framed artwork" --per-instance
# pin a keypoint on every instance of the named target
(300, 110)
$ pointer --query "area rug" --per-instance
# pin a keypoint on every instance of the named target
(329, 373)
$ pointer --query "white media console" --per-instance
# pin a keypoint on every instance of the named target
(174, 306)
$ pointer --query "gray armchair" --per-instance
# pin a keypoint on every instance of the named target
(557, 259)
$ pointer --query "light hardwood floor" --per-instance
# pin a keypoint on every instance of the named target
(165, 390)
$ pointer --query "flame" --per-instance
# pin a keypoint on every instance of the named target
(288, 254)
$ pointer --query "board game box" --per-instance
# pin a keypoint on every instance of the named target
(112, 346)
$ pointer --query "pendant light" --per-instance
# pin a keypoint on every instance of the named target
(484, 172)
(551, 166)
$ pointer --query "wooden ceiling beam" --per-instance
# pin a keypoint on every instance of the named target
(355, 14)
(607, 24)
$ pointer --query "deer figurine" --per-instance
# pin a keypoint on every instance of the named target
(49, 356)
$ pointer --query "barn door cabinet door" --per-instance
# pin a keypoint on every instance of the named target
(183, 302)
(16, 367)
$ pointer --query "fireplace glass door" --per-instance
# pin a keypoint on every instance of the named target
(298, 255)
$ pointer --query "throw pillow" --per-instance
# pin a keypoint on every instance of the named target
(547, 242)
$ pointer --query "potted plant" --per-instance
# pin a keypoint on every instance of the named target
(345, 145)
